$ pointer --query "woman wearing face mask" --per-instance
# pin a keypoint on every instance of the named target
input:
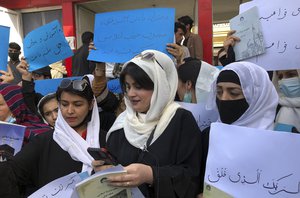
(194, 80)
(156, 141)
(57, 153)
(244, 96)
(287, 83)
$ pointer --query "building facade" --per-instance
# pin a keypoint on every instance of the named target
(73, 15)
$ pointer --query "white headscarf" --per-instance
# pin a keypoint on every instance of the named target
(207, 75)
(69, 140)
(259, 93)
(138, 127)
(58, 70)
(289, 112)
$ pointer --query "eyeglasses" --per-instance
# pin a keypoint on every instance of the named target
(79, 84)
(148, 56)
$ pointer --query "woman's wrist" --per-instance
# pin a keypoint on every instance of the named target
(149, 175)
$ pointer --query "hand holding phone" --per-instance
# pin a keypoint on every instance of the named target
(102, 154)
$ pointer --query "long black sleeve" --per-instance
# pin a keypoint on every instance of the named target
(31, 98)
(229, 57)
(38, 163)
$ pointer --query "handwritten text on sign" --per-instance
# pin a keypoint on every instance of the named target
(203, 116)
(281, 34)
(61, 187)
(119, 36)
(246, 162)
(46, 45)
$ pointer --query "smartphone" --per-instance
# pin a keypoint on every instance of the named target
(102, 154)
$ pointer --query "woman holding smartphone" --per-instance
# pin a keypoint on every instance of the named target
(57, 153)
(157, 142)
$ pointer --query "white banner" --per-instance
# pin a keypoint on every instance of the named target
(280, 26)
(203, 116)
(245, 162)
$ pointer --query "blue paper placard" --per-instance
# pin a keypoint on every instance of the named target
(119, 36)
(46, 45)
(47, 86)
(114, 86)
(4, 41)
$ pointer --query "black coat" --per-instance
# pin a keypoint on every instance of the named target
(40, 162)
(175, 157)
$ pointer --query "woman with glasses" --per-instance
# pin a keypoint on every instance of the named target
(57, 153)
(156, 141)
(47, 106)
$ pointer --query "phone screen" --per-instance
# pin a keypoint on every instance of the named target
(101, 154)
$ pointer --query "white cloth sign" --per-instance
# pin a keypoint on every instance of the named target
(61, 187)
(246, 162)
(280, 26)
(203, 116)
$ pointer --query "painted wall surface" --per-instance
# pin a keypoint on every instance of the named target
(205, 28)
(23, 4)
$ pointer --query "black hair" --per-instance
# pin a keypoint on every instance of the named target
(45, 100)
(45, 71)
(186, 20)
(87, 93)
(138, 74)
(87, 37)
(189, 71)
(179, 25)
(14, 45)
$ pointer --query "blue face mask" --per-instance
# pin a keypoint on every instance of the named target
(290, 87)
(187, 97)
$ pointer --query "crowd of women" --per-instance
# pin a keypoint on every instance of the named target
(159, 143)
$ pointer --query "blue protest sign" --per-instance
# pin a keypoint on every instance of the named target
(4, 39)
(46, 45)
(47, 86)
(119, 36)
(114, 86)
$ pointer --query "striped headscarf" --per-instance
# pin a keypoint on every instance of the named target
(13, 97)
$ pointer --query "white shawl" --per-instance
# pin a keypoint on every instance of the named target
(207, 75)
(259, 92)
(69, 140)
(138, 127)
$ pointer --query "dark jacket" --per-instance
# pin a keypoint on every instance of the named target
(175, 157)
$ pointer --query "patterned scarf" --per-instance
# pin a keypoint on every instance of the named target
(13, 97)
